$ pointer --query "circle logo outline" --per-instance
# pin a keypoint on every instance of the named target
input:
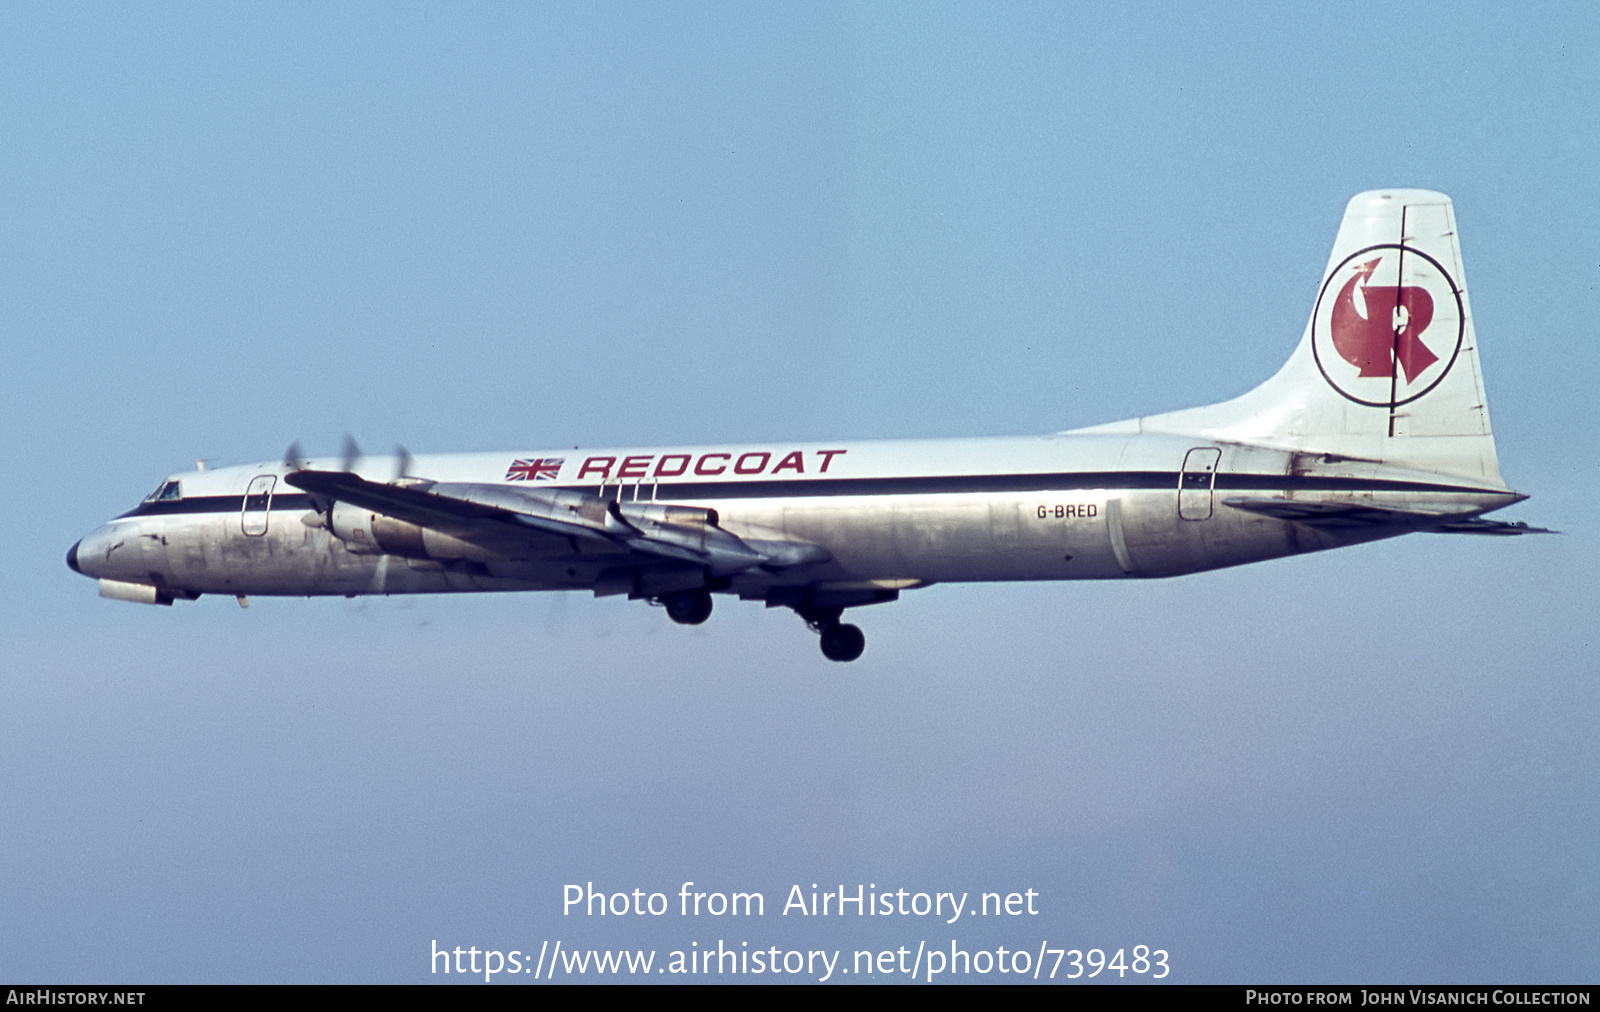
(1317, 327)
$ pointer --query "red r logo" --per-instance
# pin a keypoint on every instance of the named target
(1388, 325)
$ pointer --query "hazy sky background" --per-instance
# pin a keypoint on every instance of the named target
(526, 227)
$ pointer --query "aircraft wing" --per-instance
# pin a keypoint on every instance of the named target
(1347, 515)
(496, 513)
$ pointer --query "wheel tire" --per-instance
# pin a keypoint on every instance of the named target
(688, 607)
(843, 642)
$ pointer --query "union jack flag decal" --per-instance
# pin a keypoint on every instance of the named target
(538, 469)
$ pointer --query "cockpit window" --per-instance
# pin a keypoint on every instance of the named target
(166, 491)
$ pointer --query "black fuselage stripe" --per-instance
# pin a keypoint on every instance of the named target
(957, 484)
(215, 504)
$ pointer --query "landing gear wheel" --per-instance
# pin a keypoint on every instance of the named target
(688, 607)
(842, 642)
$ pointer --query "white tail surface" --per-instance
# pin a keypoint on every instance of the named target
(1388, 367)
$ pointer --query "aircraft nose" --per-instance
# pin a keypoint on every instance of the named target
(90, 556)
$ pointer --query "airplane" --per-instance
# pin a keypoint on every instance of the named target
(1377, 426)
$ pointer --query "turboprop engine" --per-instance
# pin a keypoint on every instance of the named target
(367, 533)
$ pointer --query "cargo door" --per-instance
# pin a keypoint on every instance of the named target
(1196, 481)
(257, 501)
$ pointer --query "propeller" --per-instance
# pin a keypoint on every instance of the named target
(350, 457)
(352, 454)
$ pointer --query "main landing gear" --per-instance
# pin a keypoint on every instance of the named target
(840, 641)
(688, 607)
(843, 641)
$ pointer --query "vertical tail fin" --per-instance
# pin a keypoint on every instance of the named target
(1388, 367)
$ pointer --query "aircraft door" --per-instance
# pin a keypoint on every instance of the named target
(257, 501)
(1195, 483)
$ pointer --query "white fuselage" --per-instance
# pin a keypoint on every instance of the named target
(891, 513)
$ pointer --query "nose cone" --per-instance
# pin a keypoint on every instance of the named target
(92, 555)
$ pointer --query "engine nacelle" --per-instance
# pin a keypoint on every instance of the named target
(367, 533)
(353, 525)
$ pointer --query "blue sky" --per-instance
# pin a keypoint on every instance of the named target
(526, 227)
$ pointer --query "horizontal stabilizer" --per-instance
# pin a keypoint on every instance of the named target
(1500, 528)
(1354, 515)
